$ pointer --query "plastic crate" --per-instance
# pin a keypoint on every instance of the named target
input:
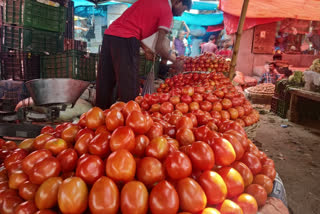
(18, 38)
(70, 64)
(69, 29)
(30, 13)
(18, 65)
(282, 108)
(274, 104)
(11, 92)
(145, 66)
(71, 44)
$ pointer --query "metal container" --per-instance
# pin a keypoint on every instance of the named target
(56, 91)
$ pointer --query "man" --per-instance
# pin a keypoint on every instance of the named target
(210, 46)
(225, 52)
(179, 45)
(119, 58)
(271, 76)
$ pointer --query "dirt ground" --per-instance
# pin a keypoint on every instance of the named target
(296, 153)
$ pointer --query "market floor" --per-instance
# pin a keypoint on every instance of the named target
(295, 151)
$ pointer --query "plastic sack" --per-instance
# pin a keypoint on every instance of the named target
(273, 206)
(311, 78)
(250, 81)
(239, 78)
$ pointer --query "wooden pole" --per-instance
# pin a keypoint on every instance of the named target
(238, 38)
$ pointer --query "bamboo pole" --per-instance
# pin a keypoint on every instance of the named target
(238, 38)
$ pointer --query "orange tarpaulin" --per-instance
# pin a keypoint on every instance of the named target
(297, 9)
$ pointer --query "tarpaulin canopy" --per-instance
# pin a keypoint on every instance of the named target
(201, 19)
(204, 5)
(297, 9)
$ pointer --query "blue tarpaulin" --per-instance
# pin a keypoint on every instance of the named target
(201, 19)
(201, 5)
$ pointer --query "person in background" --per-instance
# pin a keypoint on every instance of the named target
(179, 44)
(210, 46)
(118, 68)
(225, 52)
(272, 75)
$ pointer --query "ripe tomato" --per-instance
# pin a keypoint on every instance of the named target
(269, 171)
(114, 119)
(225, 115)
(223, 151)
(185, 136)
(40, 141)
(263, 181)
(194, 106)
(205, 106)
(173, 120)
(47, 194)
(139, 99)
(73, 195)
(56, 145)
(46, 211)
(233, 113)
(68, 160)
(121, 166)
(32, 159)
(27, 207)
(82, 144)
(178, 165)
(229, 207)
(150, 171)
(174, 100)
(104, 196)
(191, 195)
(118, 106)
(134, 198)
(233, 180)
(240, 110)
(69, 134)
(99, 145)
(244, 171)
(49, 167)
(237, 146)
(47, 130)
(197, 98)
(16, 179)
(210, 180)
(166, 108)
(258, 192)
(142, 142)
(164, 199)
(247, 203)
(156, 130)
(252, 162)
(90, 169)
(102, 129)
(16, 156)
(183, 107)
(9, 204)
(201, 132)
(94, 118)
(27, 145)
(184, 122)
(130, 107)
(209, 210)
(201, 156)
(27, 190)
(137, 122)
(157, 148)
(217, 106)
(122, 138)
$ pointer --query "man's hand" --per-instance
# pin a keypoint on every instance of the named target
(178, 66)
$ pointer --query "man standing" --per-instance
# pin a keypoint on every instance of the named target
(271, 76)
(210, 46)
(179, 44)
(119, 58)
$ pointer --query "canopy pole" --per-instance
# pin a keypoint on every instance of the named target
(238, 38)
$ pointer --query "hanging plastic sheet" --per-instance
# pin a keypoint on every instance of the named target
(215, 28)
(201, 19)
(200, 5)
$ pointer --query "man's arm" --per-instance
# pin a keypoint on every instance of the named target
(262, 78)
(187, 29)
(163, 46)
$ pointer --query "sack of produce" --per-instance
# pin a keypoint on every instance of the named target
(250, 81)
(239, 78)
(274, 206)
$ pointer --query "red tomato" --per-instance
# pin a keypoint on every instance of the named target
(27, 145)
(233, 180)
(27, 190)
(46, 211)
(184, 122)
(121, 166)
(16, 156)
(258, 192)
(114, 119)
(49, 167)
(268, 162)
(99, 145)
(209, 210)
(244, 171)
(40, 141)
(205, 106)
(9, 204)
(69, 134)
(237, 146)
(193, 119)
(252, 162)
(217, 106)
(118, 106)
(47, 130)
(32, 159)
(197, 98)
(156, 130)
(185, 136)
(68, 160)
(229, 207)
(137, 122)
(150, 171)
(201, 156)
(263, 181)
(102, 129)
(178, 165)
(157, 148)
(269, 171)
(139, 99)
(166, 108)
(27, 207)
(104, 196)
(191, 195)
(164, 199)
(73, 196)
(183, 107)
(174, 100)
(134, 198)
(129, 107)
(16, 179)
(56, 145)
(240, 111)
(247, 203)
(223, 151)
(95, 118)
(225, 115)
(173, 120)
(82, 144)
(210, 180)
(82, 120)
(142, 142)
(90, 169)
(170, 131)
(194, 106)
(47, 194)
(122, 138)
(212, 98)
(201, 132)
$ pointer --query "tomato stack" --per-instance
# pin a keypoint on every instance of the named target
(129, 160)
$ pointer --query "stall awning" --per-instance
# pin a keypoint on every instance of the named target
(201, 19)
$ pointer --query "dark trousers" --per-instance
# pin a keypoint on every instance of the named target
(118, 70)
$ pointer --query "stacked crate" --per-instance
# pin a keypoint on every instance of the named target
(281, 100)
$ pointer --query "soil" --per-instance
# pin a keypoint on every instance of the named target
(295, 150)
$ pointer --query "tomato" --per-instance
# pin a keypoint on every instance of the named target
(268, 162)
(118, 106)
(9, 204)
(27, 207)
(129, 107)
(69, 134)
(40, 141)
(269, 171)
(150, 171)
(252, 162)
(201, 156)
(82, 120)
(184, 122)
(164, 199)
(102, 129)
(16, 156)
(4, 185)
(157, 148)
(173, 120)
(217, 106)
(95, 118)
(197, 98)
(166, 108)
(230, 207)
(47, 130)
(145, 106)
(32, 159)
(247, 203)
(137, 122)
(27, 190)
(233, 180)
(178, 165)
(194, 106)
(183, 107)
(121, 166)
(193, 119)
(90, 169)
(244, 171)
(174, 100)
(122, 138)
(170, 131)
(237, 146)
(201, 132)
(223, 151)
(210, 210)
(263, 181)
(73, 196)
(46, 211)
(188, 91)
(27, 145)
(134, 198)
(142, 142)
(240, 110)
(191, 195)
(185, 136)
(68, 160)
(205, 106)
(210, 180)
(16, 179)
(49, 167)
(225, 115)
(82, 144)
(99, 145)
(56, 145)
(138, 99)
(156, 130)
(114, 119)
(104, 196)
(47, 194)
(258, 192)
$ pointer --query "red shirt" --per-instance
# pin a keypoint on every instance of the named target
(142, 19)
